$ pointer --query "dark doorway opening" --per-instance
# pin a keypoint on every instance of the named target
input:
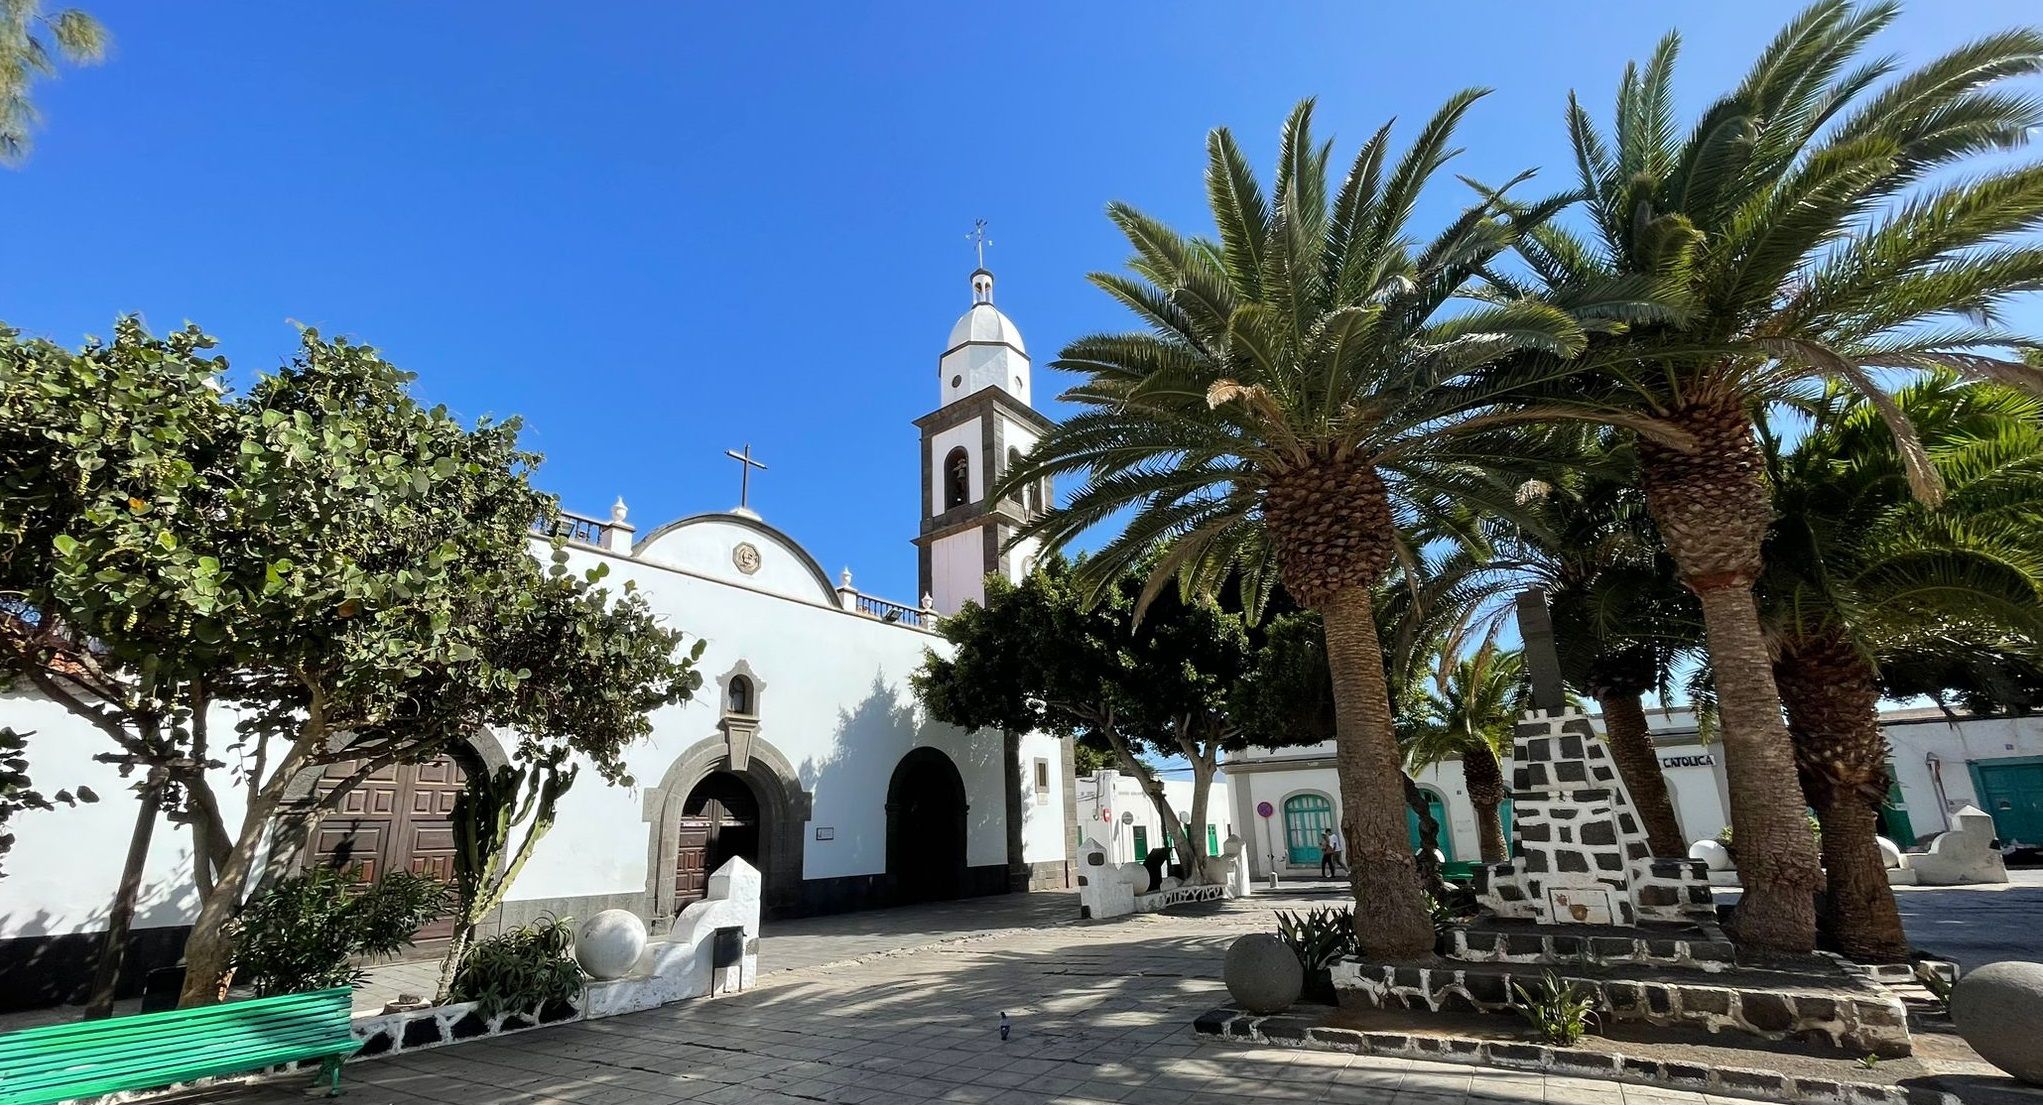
(719, 820)
(399, 818)
(926, 828)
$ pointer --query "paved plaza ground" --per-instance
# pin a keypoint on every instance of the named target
(1100, 1012)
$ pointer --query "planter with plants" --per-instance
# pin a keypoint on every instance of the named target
(1319, 939)
(531, 968)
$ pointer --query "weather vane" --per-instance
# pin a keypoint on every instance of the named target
(977, 236)
(745, 466)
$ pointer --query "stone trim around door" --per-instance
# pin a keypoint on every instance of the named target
(784, 812)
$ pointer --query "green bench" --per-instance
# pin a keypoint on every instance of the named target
(151, 1050)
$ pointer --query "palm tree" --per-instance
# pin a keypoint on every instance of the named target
(1858, 571)
(1806, 226)
(1295, 397)
(31, 40)
(1471, 714)
(1621, 619)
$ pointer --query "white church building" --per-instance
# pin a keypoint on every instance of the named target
(805, 751)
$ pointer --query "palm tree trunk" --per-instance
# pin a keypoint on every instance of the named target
(1833, 703)
(1484, 779)
(1638, 763)
(1712, 507)
(1777, 862)
(1392, 920)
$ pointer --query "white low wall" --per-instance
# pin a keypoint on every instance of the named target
(1109, 889)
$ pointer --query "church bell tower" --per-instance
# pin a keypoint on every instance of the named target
(981, 428)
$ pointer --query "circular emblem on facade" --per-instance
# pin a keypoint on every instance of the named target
(746, 557)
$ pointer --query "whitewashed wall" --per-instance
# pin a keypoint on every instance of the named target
(1118, 794)
(835, 702)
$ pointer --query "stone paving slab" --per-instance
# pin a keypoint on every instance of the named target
(1100, 1012)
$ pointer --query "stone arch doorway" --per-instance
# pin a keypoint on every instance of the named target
(763, 787)
(719, 822)
(926, 809)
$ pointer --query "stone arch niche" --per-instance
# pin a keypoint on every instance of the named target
(779, 804)
(926, 807)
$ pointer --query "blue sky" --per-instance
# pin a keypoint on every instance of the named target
(661, 230)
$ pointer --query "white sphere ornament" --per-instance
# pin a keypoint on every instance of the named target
(1999, 1011)
(1714, 855)
(610, 943)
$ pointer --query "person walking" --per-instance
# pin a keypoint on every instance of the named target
(1330, 861)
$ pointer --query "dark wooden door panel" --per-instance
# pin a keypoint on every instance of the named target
(396, 819)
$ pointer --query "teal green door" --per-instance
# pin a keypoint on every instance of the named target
(1212, 840)
(2014, 796)
(1894, 823)
(1141, 843)
(1439, 811)
(1304, 816)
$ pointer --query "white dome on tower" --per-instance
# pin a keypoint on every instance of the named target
(985, 323)
(985, 350)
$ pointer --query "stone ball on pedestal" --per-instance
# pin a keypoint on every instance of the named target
(1262, 974)
(610, 943)
(1890, 853)
(1999, 1010)
(1714, 855)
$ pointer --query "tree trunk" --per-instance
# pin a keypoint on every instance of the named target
(1429, 839)
(1833, 703)
(1153, 787)
(1777, 864)
(1202, 789)
(1484, 779)
(450, 965)
(1392, 920)
(209, 950)
(121, 915)
(1712, 507)
(1638, 763)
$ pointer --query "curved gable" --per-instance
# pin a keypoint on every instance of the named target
(707, 545)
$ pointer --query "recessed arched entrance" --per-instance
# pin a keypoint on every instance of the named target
(926, 828)
(719, 821)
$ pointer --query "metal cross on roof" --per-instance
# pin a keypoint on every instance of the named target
(745, 466)
(977, 236)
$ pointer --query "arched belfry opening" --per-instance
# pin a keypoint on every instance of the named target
(957, 478)
(926, 828)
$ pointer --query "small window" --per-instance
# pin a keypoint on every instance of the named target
(957, 478)
(957, 381)
(1014, 462)
(1042, 782)
(1036, 497)
(740, 695)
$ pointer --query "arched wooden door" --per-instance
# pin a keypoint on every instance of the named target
(719, 821)
(397, 818)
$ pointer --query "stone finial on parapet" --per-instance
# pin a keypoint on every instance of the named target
(617, 535)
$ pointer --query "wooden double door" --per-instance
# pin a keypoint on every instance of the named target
(399, 818)
(719, 821)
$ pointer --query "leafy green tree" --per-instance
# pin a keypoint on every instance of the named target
(1295, 397)
(1858, 572)
(1472, 714)
(353, 572)
(1830, 216)
(305, 932)
(1037, 657)
(31, 41)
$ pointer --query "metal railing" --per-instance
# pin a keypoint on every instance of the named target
(895, 612)
(576, 529)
